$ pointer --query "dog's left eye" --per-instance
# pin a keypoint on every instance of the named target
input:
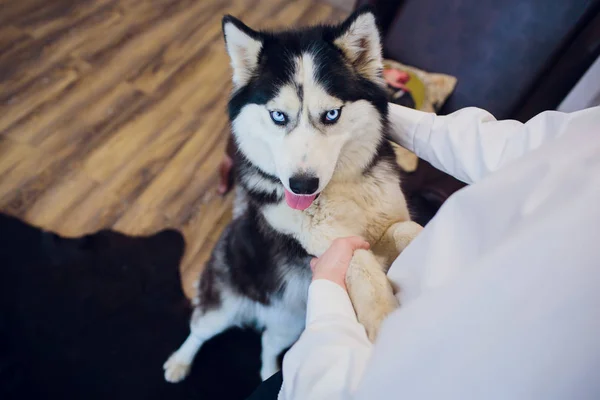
(332, 116)
(278, 117)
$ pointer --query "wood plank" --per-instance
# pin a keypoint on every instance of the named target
(109, 159)
(63, 153)
(320, 13)
(98, 210)
(141, 220)
(62, 16)
(20, 162)
(100, 81)
(10, 154)
(151, 158)
(11, 36)
(114, 195)
(135, 17)
(42, 90)
(192, 39)
(84, 131)
(287, 15)
(187, 82)
(142, 29)
(28, 61)
(185, 200)
(27, 181)
(48, 208)
(11, 11)
(177, 175)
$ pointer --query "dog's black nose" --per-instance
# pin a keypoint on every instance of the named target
(304, 184)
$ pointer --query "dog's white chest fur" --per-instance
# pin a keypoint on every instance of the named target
(366, 208)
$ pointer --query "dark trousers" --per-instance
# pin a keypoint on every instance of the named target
(269, 389)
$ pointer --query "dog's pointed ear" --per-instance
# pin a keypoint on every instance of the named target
(243, 45)
(359, 39)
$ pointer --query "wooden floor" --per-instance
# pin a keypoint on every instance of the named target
(112, 113)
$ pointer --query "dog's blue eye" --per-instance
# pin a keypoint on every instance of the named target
(278, 117)
(332, 115)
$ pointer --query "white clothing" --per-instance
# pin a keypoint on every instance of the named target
(500, 293)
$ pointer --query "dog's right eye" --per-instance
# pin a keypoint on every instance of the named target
(278, 117)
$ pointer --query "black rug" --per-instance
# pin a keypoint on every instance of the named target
(96, 317)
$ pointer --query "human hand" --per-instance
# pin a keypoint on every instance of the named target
(334, 263)
(225, 175)
(226, 167)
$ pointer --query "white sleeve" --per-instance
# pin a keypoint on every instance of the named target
(329, 359)
(470, 143)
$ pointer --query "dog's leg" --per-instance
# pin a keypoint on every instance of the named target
(203, 326)
(178, 364)
(395, 240)
(370, 291)
(275, 339)
(404, 233)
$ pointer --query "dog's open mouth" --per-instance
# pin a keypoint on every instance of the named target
(299, 202)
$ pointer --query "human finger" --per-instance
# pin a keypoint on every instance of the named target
(358, 243)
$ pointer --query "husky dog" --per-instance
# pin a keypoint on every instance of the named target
(309, 113)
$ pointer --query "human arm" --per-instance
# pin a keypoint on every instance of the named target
(470, 143)
(513, 255)
(328, 360)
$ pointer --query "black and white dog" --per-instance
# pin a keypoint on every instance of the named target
(309, 113)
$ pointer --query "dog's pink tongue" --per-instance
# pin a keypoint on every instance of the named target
(298, 202)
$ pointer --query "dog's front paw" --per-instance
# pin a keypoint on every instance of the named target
(175, 369)
(372, 318)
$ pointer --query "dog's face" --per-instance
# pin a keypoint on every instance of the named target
(308, 106)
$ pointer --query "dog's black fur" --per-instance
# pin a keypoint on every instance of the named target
(252, 253)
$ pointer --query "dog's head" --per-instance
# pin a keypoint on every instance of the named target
(308, 105)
